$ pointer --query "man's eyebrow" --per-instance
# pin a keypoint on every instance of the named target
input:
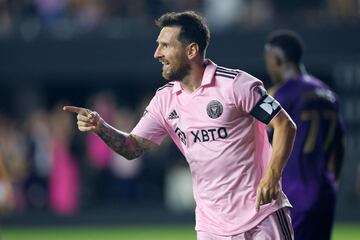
(162, 42)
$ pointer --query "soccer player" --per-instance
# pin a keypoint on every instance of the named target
(217, 118)
(315, 162)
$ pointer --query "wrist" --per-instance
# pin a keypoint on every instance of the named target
(100, 126)
(274, 173)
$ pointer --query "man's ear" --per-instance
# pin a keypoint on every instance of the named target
(192, 50)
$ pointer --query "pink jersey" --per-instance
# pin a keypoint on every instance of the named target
(226, 148)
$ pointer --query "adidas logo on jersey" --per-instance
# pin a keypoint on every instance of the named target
(269, 105)
(173, 115)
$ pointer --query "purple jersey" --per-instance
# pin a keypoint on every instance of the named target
(314, 108)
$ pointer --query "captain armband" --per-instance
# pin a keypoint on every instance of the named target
(266, 108)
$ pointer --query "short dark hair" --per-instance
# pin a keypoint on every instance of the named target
(289, 42)
(194, 27)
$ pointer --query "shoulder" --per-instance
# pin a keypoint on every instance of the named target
(325, 91)
(247, 81)
(312, 83)
(226, 73)
(295, 92)
(164, 91)
(165, 88)
(163, 95)
(236, 77)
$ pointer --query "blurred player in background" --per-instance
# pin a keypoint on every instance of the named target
(309, 178)
(7, 201)
(216, 116)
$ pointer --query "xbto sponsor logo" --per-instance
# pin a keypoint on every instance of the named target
(205, 135)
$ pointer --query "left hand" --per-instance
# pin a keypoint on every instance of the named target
(268, 189)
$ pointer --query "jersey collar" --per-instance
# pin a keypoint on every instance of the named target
(207, 79)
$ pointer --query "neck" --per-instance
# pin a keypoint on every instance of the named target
(193, 80)
(292, 72)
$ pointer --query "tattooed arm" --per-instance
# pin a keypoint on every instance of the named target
(125, 144)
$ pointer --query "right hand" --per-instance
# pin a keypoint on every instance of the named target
(87, 120)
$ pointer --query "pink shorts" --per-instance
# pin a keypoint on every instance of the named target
(276, 226)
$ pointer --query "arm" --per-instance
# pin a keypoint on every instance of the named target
(283, 139)
(125, 144)
(251, 97)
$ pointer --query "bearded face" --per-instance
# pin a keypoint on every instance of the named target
(172, 54)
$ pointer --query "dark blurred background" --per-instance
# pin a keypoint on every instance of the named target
(99, 54)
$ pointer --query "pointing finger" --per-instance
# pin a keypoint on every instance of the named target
(73, 109)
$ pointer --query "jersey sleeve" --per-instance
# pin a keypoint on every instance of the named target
(151, 126)
(251, 97)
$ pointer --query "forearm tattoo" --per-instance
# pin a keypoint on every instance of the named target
(122, 143)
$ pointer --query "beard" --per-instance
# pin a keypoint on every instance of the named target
(177, 74)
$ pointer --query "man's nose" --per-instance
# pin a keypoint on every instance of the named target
(157, 53)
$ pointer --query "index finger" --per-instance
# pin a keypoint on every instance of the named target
(73, 109)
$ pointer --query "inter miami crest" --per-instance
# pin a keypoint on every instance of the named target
(214, 109)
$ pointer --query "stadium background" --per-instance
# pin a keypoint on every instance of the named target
(99, 54)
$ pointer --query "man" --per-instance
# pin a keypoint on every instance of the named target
(211, 114)
(314, 164)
